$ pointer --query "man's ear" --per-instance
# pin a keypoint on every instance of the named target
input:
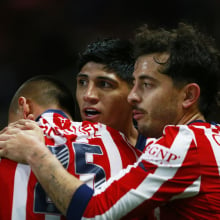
(191, 94)
(24, 106)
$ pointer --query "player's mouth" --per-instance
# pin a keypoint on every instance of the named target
(138, 114)
(91, 113)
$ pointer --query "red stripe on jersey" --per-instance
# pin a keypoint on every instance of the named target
(170, 136)
(7, 174)
(32, 215)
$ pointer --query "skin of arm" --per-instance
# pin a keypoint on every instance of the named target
(57, 182)
(24, 142)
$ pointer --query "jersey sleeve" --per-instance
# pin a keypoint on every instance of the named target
(167, 170)
(78, 204)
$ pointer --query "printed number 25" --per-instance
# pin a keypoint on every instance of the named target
(42, 203)
(86, 168)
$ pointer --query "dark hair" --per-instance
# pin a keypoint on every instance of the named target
(115, 54)
(45, 90)
(193, 57)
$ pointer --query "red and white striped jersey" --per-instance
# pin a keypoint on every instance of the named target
(91, 151)
(177, 177)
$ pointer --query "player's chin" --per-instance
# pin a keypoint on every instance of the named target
(142, 128)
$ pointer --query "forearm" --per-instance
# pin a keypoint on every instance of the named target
(24, 143)
(57, 182)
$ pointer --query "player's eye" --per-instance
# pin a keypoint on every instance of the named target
(82, 82)
(147, 84)
(105, 84)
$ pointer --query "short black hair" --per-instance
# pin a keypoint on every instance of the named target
(114, 53)
(44, 90)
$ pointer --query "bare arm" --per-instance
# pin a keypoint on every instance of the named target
(24, 145)
(57, 182)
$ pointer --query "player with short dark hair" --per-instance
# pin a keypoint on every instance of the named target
(104, 81)
(38, 93)
(93, 152)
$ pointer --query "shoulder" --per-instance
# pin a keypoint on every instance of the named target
(174, 130)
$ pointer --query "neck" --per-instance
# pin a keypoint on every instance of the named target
(130, 132)
(186, 119)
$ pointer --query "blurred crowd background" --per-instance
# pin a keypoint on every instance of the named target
(45, 36)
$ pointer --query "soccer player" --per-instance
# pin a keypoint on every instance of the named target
(175, 80)
(37, 94)
(104, 81)
(91, 151)
(20, 192)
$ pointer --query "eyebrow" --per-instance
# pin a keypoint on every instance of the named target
(142, 77)
(99, 77)
(81, 75)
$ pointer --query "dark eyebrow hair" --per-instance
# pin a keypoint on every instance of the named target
(81, 74)
(107, 78)
(99, 77)
(147, 77)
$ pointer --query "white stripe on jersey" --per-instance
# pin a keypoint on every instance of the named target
(112, 152)
(190, 191)
(22, 175)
